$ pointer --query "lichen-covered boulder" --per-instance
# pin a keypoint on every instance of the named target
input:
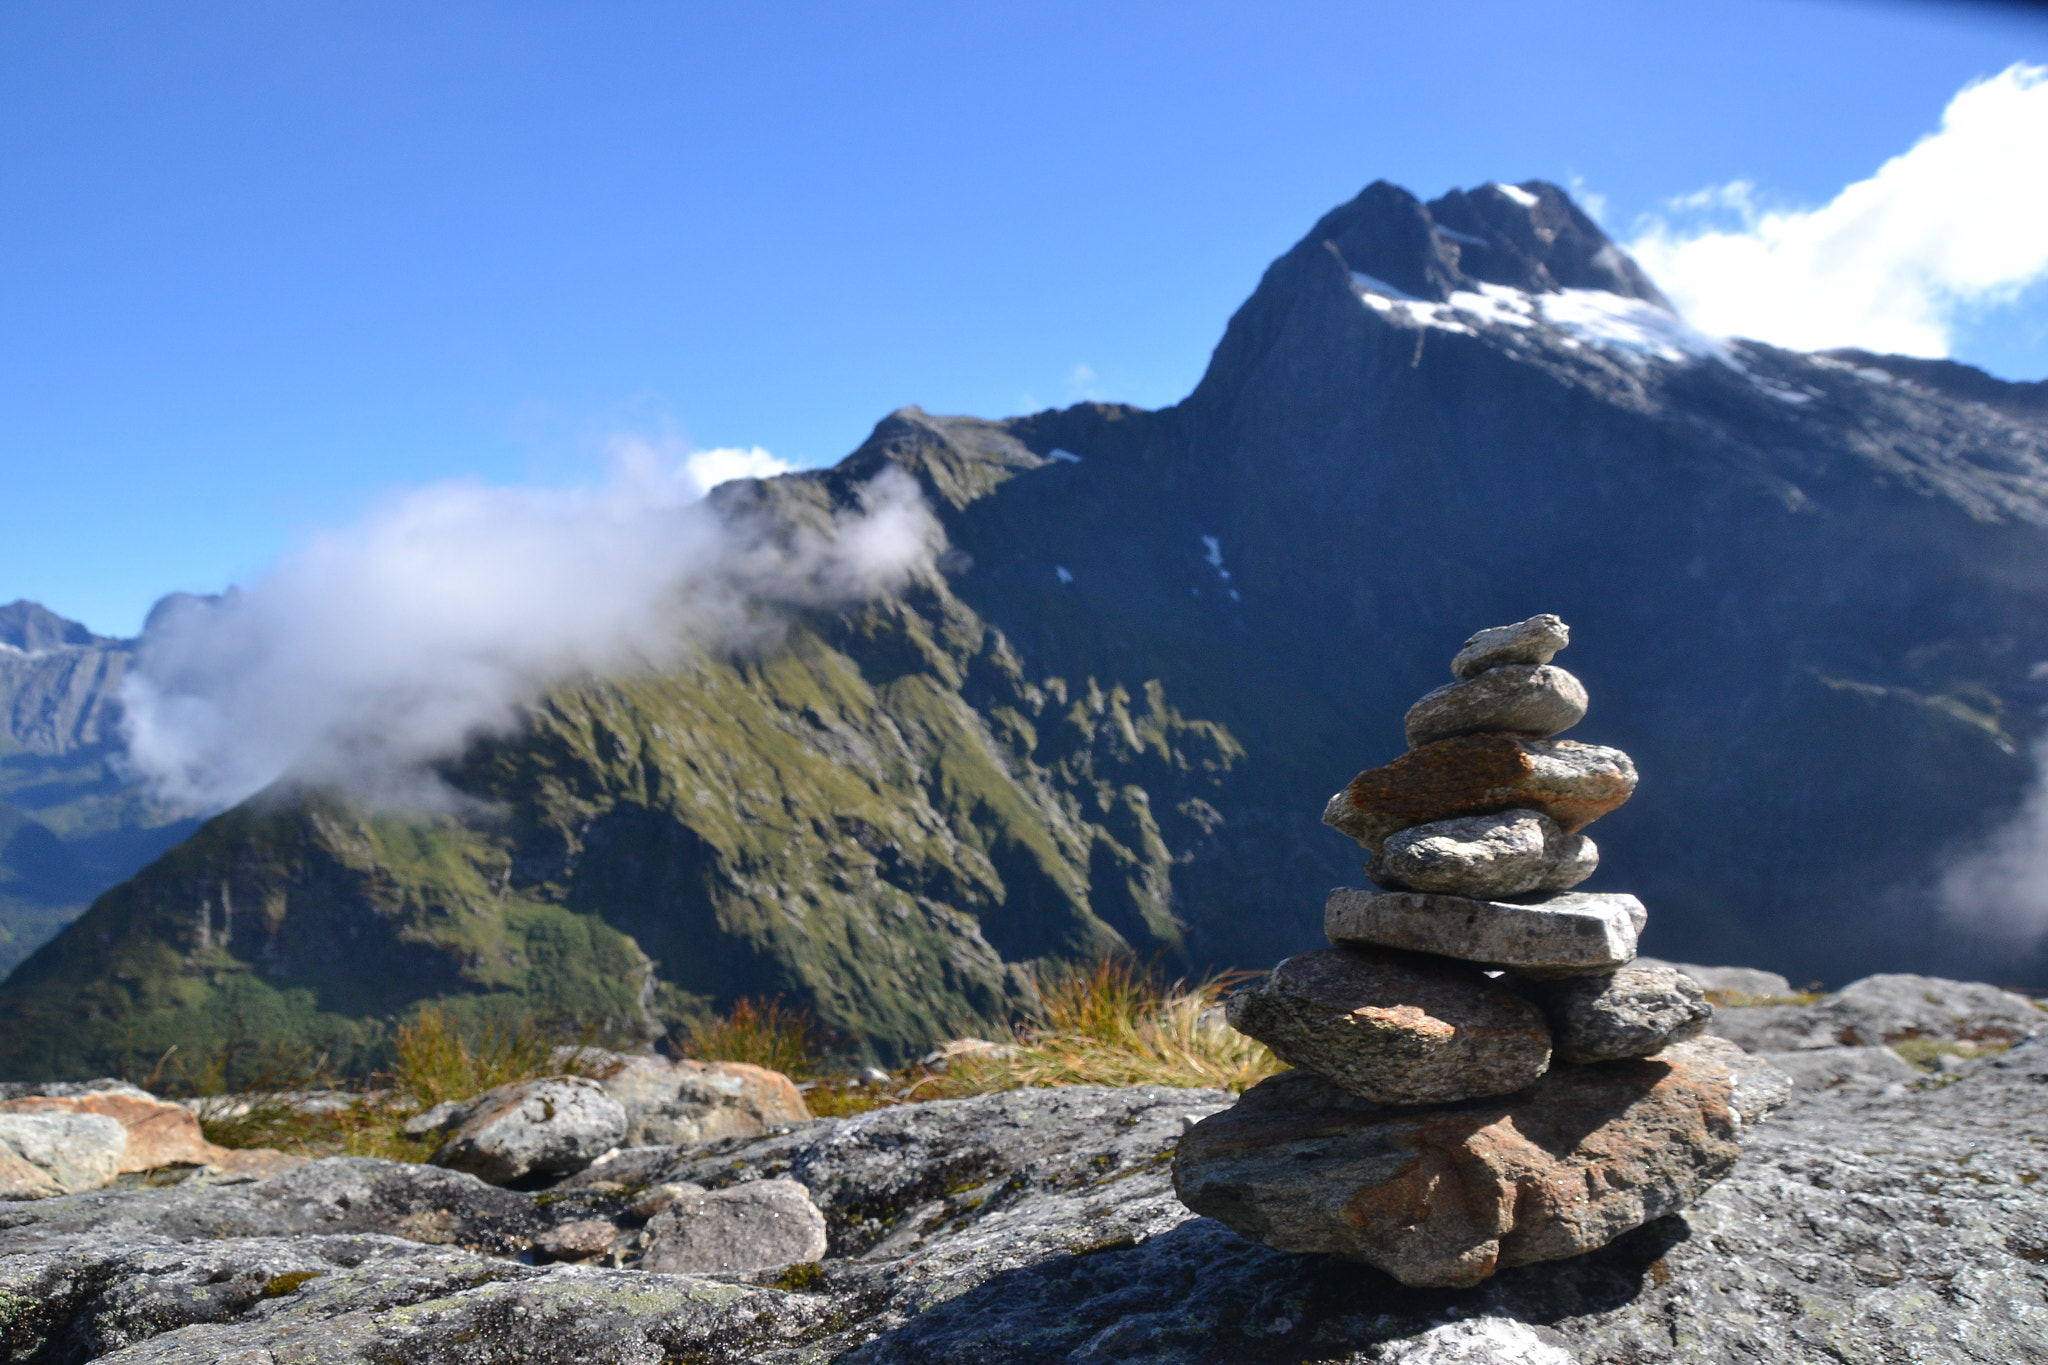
(672, 1102)
(534, 1128)
(759, 1225)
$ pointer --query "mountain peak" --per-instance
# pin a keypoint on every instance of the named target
(1530, 237)
(33, 627)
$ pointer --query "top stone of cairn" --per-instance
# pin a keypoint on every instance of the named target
(1534, 641)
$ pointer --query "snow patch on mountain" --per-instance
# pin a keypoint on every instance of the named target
(1632, 329)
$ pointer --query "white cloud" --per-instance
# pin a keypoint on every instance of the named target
(710, 468)
(1998, 891)
(386, 646)
(1892, 262)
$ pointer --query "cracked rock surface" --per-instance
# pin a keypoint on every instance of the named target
(1908, 1224)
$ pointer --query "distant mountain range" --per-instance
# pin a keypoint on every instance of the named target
(71, 823)
(1809, 594)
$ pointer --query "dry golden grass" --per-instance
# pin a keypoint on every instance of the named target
(1115, 1024)
(760, 1032)
(290, 1101)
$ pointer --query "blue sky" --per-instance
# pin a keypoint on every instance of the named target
(263, 266)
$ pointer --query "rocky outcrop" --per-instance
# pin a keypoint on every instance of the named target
(1889, 1008)
(680, 1100)
(1040, 1225)
(550, 1127)
(83, 1138)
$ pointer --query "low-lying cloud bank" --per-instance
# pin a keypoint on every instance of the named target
(1893, 262)
(384, 647)
(1997, 891)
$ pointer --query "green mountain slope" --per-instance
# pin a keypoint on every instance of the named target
(879, 814)
(1808, 593)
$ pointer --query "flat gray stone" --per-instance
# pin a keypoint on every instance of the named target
(1534, 641)
(1574, 934)
(1507, 853)
(547, 1127)
(1634, 1013)
(1396, 1028)
(761, 1225)
(1523, 699)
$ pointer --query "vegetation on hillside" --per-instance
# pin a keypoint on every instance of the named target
(1112, 1023)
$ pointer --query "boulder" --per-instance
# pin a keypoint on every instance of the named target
(1572, 783)
(1890, 1008)
(1742, 983)
(58, 1153)
(1397, 1028)
(1534, 641)
(1448, 1196)
(1511, 853)
(1521, 699)
(761, 1225)
(158, 1133)
(1574, 934)
(1632, 1013)
(540, 1128)
(671, 1102)
(578, 1241)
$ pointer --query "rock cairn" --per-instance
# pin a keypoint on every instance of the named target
(1482, 1079)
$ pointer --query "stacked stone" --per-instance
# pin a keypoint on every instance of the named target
(1482, 1078)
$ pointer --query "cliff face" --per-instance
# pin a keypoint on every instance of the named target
(1806, 590)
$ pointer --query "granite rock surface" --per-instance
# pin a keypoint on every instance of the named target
(1447, 1196)
(1534, 641)
(1510, 853)
(1572, 783)
(1019, 1229)
(554, 1126)
(1888, 1008)
(1576, 933)
(1396, 1028)
(1632, 1013)
(679, 1100)
(1537, 700)
(758, 1225)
